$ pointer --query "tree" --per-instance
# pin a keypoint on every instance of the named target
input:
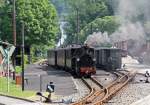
(88, 11)
(106, 24)
(5, 20)
(39, 17)
(60, 6)
(2, 2)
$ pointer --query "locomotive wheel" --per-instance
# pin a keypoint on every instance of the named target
(78, 75)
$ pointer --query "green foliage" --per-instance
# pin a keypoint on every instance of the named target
(2, 2)
(26, 60)
(88, 10)
(106, 24)
(60, 6)
(39, 17)
(38, 52)
(14, 89)
(18, 69)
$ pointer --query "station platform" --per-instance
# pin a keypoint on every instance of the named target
(39, 76)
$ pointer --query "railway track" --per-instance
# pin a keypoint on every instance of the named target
(100, 94)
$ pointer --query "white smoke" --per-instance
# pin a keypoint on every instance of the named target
(131, 9)
(63, 35)
(132, 15)
(96, 39)
(131, 27)
(128, 31)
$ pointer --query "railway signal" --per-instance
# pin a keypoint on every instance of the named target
(50, 88)
(22, 56)
(7, 53)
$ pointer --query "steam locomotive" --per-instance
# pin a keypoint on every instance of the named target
(75, 59)
(83, 60)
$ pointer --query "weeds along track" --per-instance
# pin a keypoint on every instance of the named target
(100, 94)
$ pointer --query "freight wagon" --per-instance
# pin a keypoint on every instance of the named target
(108, 58)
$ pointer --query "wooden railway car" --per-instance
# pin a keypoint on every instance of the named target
(52, 61)
(61, 57)
(108, 58)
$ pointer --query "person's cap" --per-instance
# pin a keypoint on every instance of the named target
(51, 82)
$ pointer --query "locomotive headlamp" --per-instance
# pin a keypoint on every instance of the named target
(94, 59)
(78, 59)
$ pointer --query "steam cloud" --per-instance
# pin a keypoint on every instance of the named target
(128, 31)
(130, 12)
(98, 39)
(133, 15)
(134, 27)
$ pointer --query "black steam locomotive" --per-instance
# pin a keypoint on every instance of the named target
(108, 58)
(76, 59)
(83, 60)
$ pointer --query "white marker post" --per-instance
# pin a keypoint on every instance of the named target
(8, 70)
(40, 86)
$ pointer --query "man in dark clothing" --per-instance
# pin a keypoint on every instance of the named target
(147, 76)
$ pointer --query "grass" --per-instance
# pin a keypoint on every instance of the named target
(14, 90)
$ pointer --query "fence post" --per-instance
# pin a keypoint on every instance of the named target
(40, 86)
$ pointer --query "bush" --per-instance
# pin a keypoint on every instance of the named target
(18, 69)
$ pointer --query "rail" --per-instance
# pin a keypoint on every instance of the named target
(82, 101)
(98, 96)
(114, 87)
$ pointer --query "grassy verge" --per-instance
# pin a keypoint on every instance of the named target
(14, 90)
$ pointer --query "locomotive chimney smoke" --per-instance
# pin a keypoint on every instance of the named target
(97, 39)
(134, 15)
(128, 31)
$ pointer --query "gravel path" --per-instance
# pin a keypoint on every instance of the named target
(130, 94)
(134, 91)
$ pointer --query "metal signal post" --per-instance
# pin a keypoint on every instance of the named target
(77, 37)
(14, 22)
(14, 32)
(22, 56)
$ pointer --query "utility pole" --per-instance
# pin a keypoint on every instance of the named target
(14, 22)
(77, 37)
(61, 32)
(22, 56)
(14, 32)
(91, 28)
